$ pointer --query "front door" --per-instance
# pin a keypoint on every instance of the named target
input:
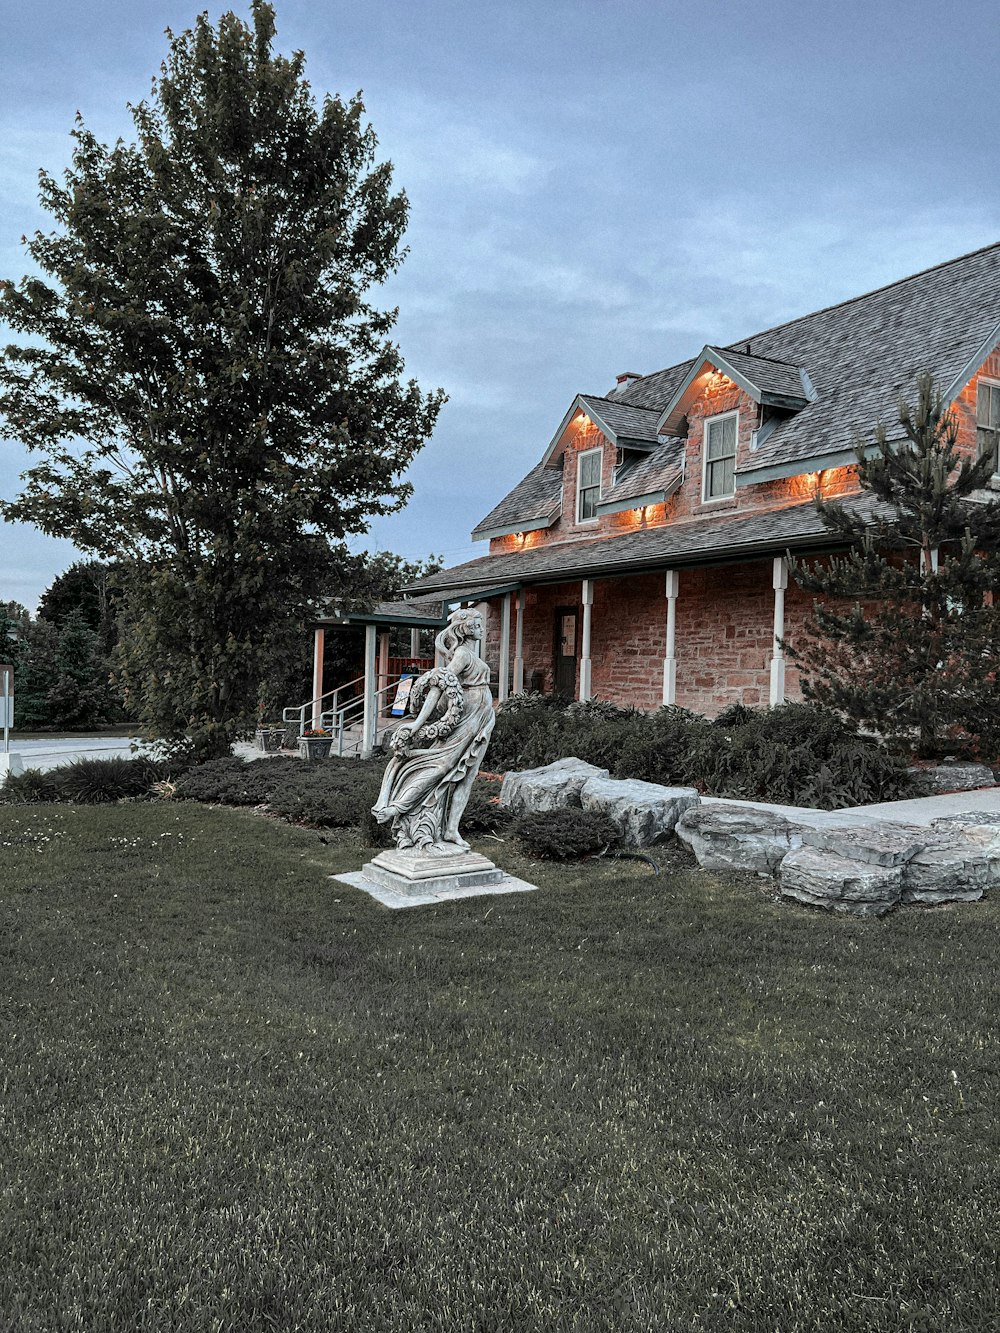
(564, 673)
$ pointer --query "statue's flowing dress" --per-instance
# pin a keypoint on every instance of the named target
(419, 785)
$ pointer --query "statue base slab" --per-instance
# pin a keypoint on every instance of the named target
(417, 878)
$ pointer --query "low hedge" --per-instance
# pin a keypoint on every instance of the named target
(565, 835)
(795, 754)
(86, 781)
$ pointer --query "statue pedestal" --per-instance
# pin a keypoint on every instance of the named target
(417, 877)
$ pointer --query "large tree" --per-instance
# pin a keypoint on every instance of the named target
(215, 400)
(906, 640)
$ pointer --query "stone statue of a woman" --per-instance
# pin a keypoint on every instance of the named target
(436, 756)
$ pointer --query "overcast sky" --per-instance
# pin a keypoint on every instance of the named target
(595, 187)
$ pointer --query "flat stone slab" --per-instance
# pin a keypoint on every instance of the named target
(419, 865)
(956, 777)
(424, 894)
(737, 837)
(821, 879)
(643, 812)
(874, 842)
(552, 787)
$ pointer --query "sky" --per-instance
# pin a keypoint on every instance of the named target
(595, 187)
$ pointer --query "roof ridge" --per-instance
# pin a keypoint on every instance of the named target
(863, 296)
(757, 356)
(603, 398)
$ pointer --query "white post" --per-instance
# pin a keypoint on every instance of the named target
(587, 597)
(319, 643)
(519, 645)
(503, 679)
(780, 582)
(383, 668)
(670, 655)
(9, 763)
(414, 643)
(368, 721)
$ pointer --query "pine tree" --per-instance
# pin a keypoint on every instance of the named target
(215, 398)
(913, 657)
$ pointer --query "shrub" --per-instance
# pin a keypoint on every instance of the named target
(231, 781)
(32, 787)
(658, 748)
(483, 814)
(100, 781)
(328, 794)
(565, 835)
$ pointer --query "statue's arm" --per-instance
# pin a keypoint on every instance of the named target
(430, 703)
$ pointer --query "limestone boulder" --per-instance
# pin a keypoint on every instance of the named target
(951, 868)
(643, 812)
(821, 879)
(981, 830)
(955, 777)
(873, 842)
(735, 837)
(553, 787)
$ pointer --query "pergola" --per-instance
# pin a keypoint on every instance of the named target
(418, 614)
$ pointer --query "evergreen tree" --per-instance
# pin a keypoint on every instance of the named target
(914, 656)
(80, 693)
(208, 335)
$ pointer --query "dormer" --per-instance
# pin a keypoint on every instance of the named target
(780, 388)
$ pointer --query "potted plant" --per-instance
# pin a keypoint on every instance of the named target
(270, 736)
(315, 743)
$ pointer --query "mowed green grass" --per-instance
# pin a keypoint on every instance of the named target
(239, 1096)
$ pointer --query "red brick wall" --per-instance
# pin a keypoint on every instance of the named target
(725, 621)
(965, 403)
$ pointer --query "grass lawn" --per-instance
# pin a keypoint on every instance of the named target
(237, 1096)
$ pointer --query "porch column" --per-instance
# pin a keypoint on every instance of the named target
(319, 643)
(414, 643)
(670, 655)
(780, 582)
(587, 597)
(503, 679)
(370, 715)
(383, 667)
(519, 645)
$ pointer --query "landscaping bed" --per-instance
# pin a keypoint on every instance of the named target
(240, 1096)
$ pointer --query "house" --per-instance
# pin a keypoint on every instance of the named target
(642, 559)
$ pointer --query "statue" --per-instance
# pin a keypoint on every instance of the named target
(435, 758)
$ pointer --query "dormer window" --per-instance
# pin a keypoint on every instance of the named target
(719, 467)
(588, 485)
(988, 420)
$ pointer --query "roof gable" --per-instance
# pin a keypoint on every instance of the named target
(620, 422)
(777, 383)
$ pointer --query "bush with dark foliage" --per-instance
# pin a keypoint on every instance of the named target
(565, 835)
(231, 781)
(86, 781)
(795, 754)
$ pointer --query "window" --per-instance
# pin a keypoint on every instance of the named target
(588, 485)
(719, 480)
(988, 420)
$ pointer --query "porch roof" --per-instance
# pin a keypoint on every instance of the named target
(418, 613)
(720, 540)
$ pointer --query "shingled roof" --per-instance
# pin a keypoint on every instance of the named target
(863, 355)
(696, 542)
(859, 356)
(533, 503)
(650, 479)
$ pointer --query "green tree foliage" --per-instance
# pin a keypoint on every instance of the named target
(216, 400)
(91, 588)
(913, 655)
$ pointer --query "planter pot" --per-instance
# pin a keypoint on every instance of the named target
(270, 739)
(315, 747)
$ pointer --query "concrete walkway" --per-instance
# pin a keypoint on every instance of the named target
(922, 810)
(46, 754)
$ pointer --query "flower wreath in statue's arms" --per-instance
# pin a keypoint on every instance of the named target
(446, 716)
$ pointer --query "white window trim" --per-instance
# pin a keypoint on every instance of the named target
(720, 416)
(586, 522)
(994, 384)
